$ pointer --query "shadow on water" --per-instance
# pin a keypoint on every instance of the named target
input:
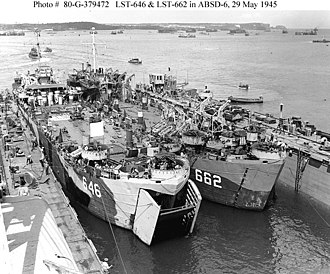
(136, 255)
(287, 237)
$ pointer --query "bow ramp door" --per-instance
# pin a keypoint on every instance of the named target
(146, 217)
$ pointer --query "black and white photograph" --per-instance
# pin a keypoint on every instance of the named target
(164, 136)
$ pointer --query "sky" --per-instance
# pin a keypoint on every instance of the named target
(290, 13)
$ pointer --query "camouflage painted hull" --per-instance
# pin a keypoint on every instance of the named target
(244, 184)
(123, 201)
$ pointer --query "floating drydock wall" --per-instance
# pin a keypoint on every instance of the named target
(83, 251)
(41, 244)
(315, 177)
(306, 167)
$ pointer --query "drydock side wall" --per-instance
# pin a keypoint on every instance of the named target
(315, 179)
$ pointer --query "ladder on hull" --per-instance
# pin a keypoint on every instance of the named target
(240, 186)
(302, 161)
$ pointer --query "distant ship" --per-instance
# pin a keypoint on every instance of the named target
(166, 30)
(237, 31)
(307, 32)
(211, 30)
(190, 30)
(323, 40)
(187, 35)
(114, 32)
(12, 33)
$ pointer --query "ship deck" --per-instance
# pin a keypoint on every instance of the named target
(78, 131)
(307, 144)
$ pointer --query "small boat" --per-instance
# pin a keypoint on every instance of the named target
(307, 32)
(204, 94)
(244, 100)
(34, 53)
(237, 31)
(135, 61)
(47, 49)
(243, 86)
(323, 40)
(187, 35)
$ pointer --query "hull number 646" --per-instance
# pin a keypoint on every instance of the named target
(92, 187)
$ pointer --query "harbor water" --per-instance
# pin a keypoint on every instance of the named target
(291, 236)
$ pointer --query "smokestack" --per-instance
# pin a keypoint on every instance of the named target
(281, 110)
(129, 138)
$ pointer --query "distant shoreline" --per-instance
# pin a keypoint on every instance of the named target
(143, 26)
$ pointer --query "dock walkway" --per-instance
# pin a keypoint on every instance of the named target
(46, 186)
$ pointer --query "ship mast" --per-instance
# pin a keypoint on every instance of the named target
(93, 32)
(37, 32)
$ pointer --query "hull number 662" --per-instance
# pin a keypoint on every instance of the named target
(208, 178)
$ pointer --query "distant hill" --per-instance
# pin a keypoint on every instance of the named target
(57, 26)
(89, 25)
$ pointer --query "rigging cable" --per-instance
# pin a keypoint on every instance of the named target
(114, 237)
